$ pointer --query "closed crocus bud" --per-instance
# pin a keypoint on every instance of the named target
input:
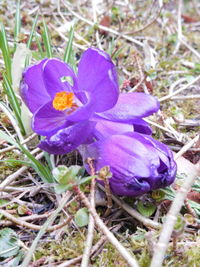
(138, 163)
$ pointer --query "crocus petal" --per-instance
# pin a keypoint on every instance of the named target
(163, 151)
(68, 139)
(122, 152)
(83, 112)
(136, 187)
(167, 167)
(104, 128)
(53, 72)
(117, 152)
(98, 77)
(32, 87)
(131, 106)
(141, 126)
(135, 162)
(48, 120)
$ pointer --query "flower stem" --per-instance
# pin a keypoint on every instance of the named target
(109, 197)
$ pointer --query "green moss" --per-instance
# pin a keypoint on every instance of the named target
(109, 256)
(7, 169)
(192, 255)
(68, 248)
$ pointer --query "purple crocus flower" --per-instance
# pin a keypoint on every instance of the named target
(62, 103)
(138, 163)
(70, 109)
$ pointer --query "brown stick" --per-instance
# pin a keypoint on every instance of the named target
(90, 235)
(121, 249)
(31, 225)
(146, 221)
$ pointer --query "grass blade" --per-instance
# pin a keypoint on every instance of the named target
(73, 61)
(47, 40)
(13, 102)
(49, 221)
(16, 162)
(47, 157)
(69, 46)
(5, 51)
(17, 24)
(7, 138)
(31, 37)
(11, 94)
(42, 54)
(32, 31)
(43, 171)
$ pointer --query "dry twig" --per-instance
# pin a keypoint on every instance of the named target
(147, 222)
(180, 89)
(90, 235)
(103, 27)
(179, 24)
(121, 249)
(6, 149)
(32, 226)
(15, 175)
(168, 226)
(94, 7)
(186, 147)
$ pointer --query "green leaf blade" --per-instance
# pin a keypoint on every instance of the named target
(47, 40)
(5, 51)
(17, 24)
(13, 102)
(68, 49)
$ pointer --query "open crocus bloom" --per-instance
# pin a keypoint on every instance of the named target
(62, 102)
(70, 109)
(138, 163)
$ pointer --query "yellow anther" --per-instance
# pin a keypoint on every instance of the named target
(63, 100)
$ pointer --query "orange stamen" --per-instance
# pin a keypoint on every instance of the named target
(63, 100)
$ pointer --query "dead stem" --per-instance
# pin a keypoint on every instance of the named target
(32, 226)
(27, 218)
(90, 235)
(121, 249)
(179, 26)
(94, 11)
(148, 24)
(140, 71)
(189, 208)
(180, 89)
(15, 175)
(184, 97)
(147, 222)
(23, 220)
(104, 175)
(103, 27)
(186, 147)
(6, 149)
(168, 225)
(194, 51)
(109, 197)
(38, 262)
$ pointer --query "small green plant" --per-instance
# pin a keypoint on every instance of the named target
(67, 177)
